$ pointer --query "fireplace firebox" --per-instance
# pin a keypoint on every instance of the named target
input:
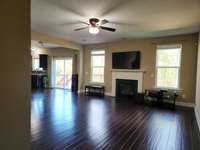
(126, 88)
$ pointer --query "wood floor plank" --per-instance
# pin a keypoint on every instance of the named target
(61, 120)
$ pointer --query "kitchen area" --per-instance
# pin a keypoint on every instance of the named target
(39, 72)
(54, 67)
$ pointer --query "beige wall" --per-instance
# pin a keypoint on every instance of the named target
(148, 60)
(197, 107)
(15, 75)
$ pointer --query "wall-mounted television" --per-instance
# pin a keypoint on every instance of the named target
(126, 60)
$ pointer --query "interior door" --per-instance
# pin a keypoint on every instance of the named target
(63, 73)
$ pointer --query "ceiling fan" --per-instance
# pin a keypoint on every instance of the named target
(94, 25)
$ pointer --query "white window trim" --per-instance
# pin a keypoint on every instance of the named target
(170, 46)
(91, 70)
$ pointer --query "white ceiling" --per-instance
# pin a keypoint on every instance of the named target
(131, 18)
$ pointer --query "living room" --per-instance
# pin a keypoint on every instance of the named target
(148, 49)
(116, 74)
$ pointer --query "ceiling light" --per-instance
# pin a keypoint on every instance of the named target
(94, 30)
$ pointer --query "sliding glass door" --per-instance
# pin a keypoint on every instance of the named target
(63, 73)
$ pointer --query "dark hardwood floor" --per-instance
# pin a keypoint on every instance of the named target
(61, 120)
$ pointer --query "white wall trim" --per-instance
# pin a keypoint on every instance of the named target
(108, 94)
(197, 117)
(80, 91)
(178, 103)
(127, 70)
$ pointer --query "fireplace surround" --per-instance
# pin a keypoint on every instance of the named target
(127, 75)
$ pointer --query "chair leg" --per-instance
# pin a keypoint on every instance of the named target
(174, 103)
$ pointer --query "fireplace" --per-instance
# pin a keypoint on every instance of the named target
(127, 75)
(126, 88)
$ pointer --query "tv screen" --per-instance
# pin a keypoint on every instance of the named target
(126, 60)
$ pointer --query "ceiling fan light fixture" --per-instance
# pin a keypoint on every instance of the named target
(95, 25)
(93, 30)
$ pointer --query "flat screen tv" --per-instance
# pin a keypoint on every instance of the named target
(126, 60)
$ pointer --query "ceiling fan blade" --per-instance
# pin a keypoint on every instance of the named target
(78, 29)
(108, 29)
(104, 21)
(84, 22)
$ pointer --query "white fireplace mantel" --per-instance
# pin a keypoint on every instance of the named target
(129, 75)
(127, 70)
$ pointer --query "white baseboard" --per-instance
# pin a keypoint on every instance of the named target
(178, 103)
(197, 117)
(108, 94)
(80, 91)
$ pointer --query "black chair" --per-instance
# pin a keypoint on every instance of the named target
(170, 97)
(159, 97)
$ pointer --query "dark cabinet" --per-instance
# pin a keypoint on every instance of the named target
(37, 81)
(44, 61)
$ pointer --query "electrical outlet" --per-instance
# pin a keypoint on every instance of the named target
(183, 96)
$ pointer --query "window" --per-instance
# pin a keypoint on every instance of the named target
(97, 66)
(35, 63)
(168, 66)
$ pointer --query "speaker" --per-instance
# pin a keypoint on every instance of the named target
(75, 83)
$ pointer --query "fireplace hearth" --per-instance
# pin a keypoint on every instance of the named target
(126, 88)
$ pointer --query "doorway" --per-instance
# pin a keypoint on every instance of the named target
(63, 73)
